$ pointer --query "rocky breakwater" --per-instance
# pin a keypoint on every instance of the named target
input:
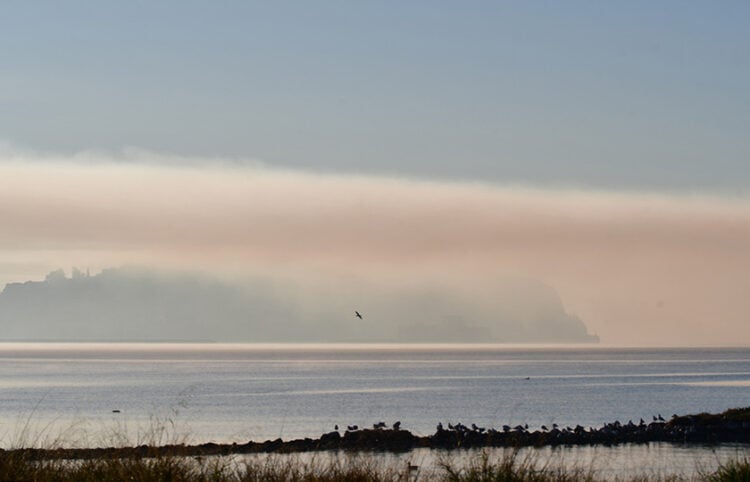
(730, 426)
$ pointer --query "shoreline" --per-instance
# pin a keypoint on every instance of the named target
(731, 426)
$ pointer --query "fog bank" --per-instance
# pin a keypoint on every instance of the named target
(638, 268)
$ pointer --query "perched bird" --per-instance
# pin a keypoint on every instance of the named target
(397, 425)
(336, 427)
(352, 428)
(356, 313)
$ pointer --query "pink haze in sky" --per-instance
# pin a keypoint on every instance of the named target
(638, 268)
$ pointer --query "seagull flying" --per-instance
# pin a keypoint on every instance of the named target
(356, 313)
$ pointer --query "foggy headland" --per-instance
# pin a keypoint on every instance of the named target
(128, 304)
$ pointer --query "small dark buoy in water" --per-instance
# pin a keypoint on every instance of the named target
(115, 411)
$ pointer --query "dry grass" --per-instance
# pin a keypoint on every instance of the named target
(511, 468)
(733, 471)
(369, 468)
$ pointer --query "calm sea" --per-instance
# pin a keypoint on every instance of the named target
(66, 393)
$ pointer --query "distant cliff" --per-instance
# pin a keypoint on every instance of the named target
(140, 305)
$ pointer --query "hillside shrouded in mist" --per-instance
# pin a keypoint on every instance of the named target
(142, 305)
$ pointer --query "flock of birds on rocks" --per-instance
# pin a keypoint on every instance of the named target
(678, 429)
(376, 426)
(461, 428)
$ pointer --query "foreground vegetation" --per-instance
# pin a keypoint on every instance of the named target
(369, 468)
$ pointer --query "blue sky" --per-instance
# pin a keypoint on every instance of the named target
(624, 95)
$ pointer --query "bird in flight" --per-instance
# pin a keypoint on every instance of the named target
(356, 313)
